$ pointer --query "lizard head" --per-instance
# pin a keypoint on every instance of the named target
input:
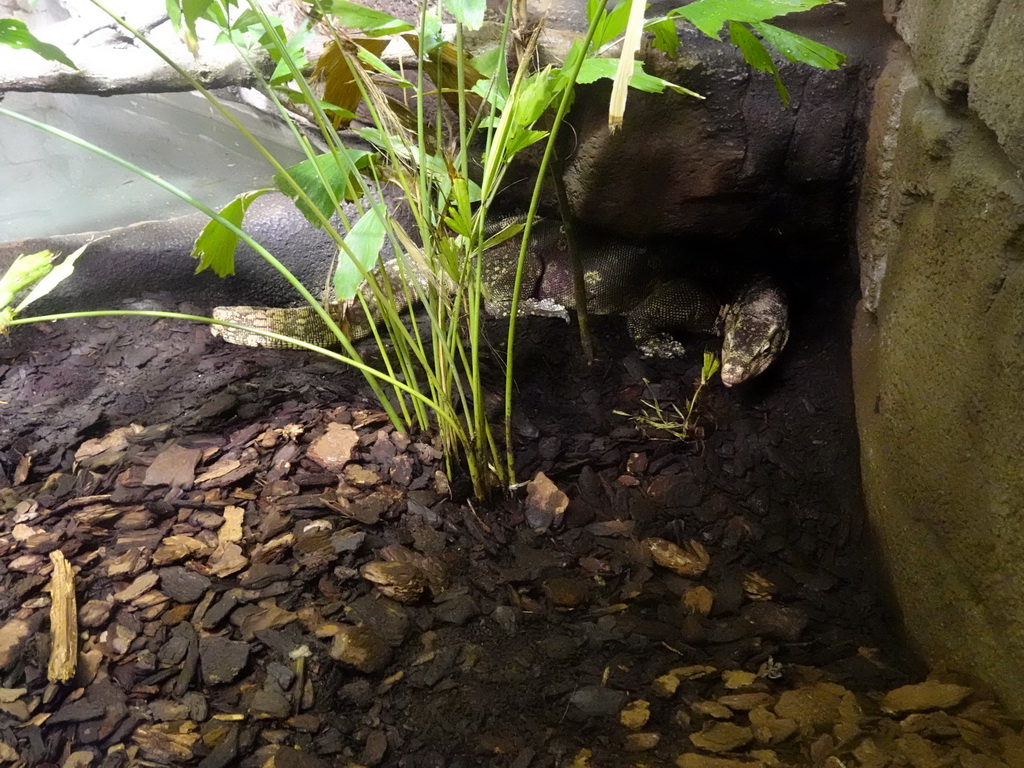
(755, 329)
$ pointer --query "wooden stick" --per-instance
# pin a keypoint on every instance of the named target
(63, 621)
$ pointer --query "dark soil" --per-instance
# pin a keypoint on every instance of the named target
(512, 636)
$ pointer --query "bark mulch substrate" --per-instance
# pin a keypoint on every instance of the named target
(267, 575)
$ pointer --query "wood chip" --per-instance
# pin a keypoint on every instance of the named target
(63, 621)
(930, 694)
(693, 560)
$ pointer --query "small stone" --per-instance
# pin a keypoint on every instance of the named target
(94, 613)
(641, 742)
(545, 503)
(598, 701)
(333, 450)
(174, 466)
(778, 622)
(183, 585)
(361, 648)
(566, 592)
(165, 709)
(222, 659)
(268, 702)
(458, 611)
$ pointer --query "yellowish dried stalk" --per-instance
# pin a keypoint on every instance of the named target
(63, 621)
(627, 60)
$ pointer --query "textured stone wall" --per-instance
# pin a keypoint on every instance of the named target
(939, 339)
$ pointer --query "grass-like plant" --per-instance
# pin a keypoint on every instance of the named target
(670, 418)
(431, 125)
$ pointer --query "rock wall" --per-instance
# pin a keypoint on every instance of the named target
(939, 338)
(736, 162)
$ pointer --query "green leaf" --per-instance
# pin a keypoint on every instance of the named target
(27, 269)
(294, 54)
(319, 178)
(488, 62)
(375, 62)
(215, 246)
(365, 241)
(613, 24)
(709, 16)
(757, 56)
(370, 22)
(521, 139)
(15, 34)
(534, 97)
(468, 12)
(504, 234)
(666, 36)
(598, 68)
(801, 49)
(51, 279)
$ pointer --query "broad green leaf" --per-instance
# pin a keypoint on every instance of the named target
(534, 97)
(215, 246)
(597, 68)
(191, 11)
(613, 24)
(324, 179)
(51, 279)
(432, 34)
(295, 52)
(468, 12)
(355, 16)
(709, 16)
(488, 61)
(666, 36)
(521, 139)
(575, 53)
(801, 49)
(364, 240)
(15, 34)
(757, 56)
(27, 269)
(460, 212)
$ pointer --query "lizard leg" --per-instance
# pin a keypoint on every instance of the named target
(672, 306)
